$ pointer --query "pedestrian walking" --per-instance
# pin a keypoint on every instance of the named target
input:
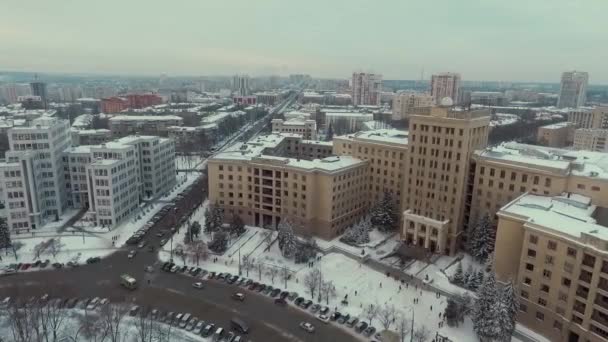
(355, 292)
(431, 308)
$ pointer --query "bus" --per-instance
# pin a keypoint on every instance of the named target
(128, 282)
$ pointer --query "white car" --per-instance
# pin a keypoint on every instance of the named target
(308, 327)
(323, 318)
(198, 285)
(93, 303)
(132, 254)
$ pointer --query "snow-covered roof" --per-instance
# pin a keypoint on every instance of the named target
(145, 118)
(100, 131)
(392, 136)
(566, 215)
(578, 163)
(558, 125)
(217, 117)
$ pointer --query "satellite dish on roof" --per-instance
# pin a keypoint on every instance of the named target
(447, 102)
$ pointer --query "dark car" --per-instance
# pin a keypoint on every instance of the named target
(208, 330)
(248, 282)
(197, 271)
(299, 301)
(343, 319)
(334, 316)
(184, 269)
(261, 288)
(369, 331)
(37, 263)
(360, 327)
(284, 295)
(45, 263)
(306, 304)
(93, 260)
(165, 265)
(280, 302)
(292, 296)
(275, 292)
(267, 290)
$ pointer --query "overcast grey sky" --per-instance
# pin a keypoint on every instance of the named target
(526, 40)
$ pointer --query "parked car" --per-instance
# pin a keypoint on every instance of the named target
(275, 292)
(134, 310)
(323, 318)
(163, 242)
(298, 301)
(45, 263)
(360, 327)
(334, 316)
(369, 331)
(343, 319)
(315, 307)
(132, 254)
(292, 296)
(208, 330)
(141, 244)
(324, 310)
(306, 304)
(280, 302)
(308, 327)
(352, 321)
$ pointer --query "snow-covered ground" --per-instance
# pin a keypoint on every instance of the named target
(188, 162)
(503, 119)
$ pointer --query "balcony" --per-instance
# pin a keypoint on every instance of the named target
(585, 276)
(582, 292)
(601, 301)
(266, 182)
(600, 317)
(589, 260)
(603, 284)
(579, 307)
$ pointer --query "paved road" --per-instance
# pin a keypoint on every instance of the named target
(172, 292)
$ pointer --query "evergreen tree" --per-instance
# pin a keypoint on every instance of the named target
(509, 305)
(305, 251)
(458, 277)
(358, 234)
(487, 311)
(451, 312)
(219, 244)
(468, 275)
(5, 235)
(383, 214)
(288, 243)
(285, 229)
(237, 227)
(195, 229)
(482, 244)
(209, 228)
(475, 280)
(218, 217)
(330, 133)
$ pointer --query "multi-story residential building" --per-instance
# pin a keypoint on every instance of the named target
(184, 135)
(404, 103)
(136, 101)
(386, 150)
(259, 183)
(559, 134)
(271, 98)
(113, 104)
(123, 125)
(240, 85)
(502, 173)
(245, 100)
(556, 251)
(441, 142)
(589, 117)
(112, 179)
(444, 85)
(90, 136)
(573, 89)
(489, 98)
(591, 139)
(366, 88)
(39, 89)
(34, 169)
(306, 128)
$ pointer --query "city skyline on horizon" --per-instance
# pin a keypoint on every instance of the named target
(492, 41)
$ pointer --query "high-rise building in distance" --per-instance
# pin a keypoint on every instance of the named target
(39, 89)
(404, 103)
(366, 89)
(573, 89)
(446, 84)
(240, 84)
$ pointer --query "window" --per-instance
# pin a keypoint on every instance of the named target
(547, 274)
(557, 325)
(533, 239)
(531, 253)
(571, 252)
(542, 301)
(566, 282)
(524, 294)
(549, 259)
(544, 288)
(580, 186)
(527, 281)
(552, 245)
(540, 316)
(529, 267)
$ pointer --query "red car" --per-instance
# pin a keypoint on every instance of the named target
(25, 266)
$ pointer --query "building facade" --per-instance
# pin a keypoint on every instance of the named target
(573, 89)
(366, 88)
(444, 85)
(123, 125)
(556, 135)
(240, 85)
(441, 143)
(90, 136)
(591, 139)
(404, 104)
(556, 251)
(306, 128)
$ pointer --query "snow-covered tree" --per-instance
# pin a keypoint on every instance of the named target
(219, 244)
(209, 228)
(466, 279)
(214, 218)
(197, 251)
(195, 229)
(458, 277)
(237, 227)
(475, 280)
(288, 242)
(312, 281)
(509, 305)
(305, 251)
(481, 240)
(55, 247)
(487, 311)
(383, 215)
(451, 312)
(358, 234)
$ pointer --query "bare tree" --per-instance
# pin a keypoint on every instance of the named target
(112, 318)
(328, 290)
(55, 318)
(312, 280)
(247, 264)
(285, 275)
(422, 334)
(268, 238)
(386, 315)
(146, 328)
(403, 326)
(179, 251)
(197, 251)
(273, 272)
(55, 246)
(258, 265)
(19, 321)
(90, 327)
(39, 249)
(370, 312)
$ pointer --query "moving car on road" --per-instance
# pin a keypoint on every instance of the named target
(128, 282)
(198, 285)
(239, 325)
(308, 327)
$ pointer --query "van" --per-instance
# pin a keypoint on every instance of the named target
(240, 326)
(184, 320)
(219, 333)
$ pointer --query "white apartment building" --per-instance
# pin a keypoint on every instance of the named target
(446, 84)
(366, 88)
(240, 84)
(589, 117)
(306, 128)
(32, 177)
(123, 125)
(112, 179)
(573, 89)
(403, 103)
(591, 139)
